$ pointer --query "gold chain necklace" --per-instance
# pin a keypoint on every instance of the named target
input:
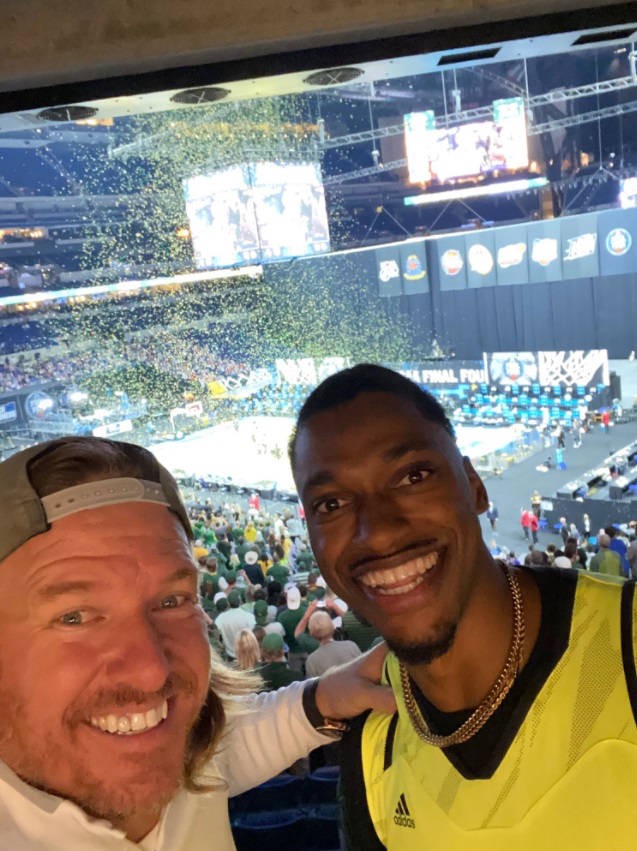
(492, 701)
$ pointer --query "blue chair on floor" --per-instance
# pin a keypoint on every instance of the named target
(322, 827)
(321, 785)
(283, 830)
(543, 524)
(283, 792)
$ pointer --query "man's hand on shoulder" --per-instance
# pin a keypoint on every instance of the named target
(350, 689)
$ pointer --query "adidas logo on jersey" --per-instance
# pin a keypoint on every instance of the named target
(402, 815)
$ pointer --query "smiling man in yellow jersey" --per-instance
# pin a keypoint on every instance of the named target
(516, 688)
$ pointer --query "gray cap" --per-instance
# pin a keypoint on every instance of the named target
(25, 515)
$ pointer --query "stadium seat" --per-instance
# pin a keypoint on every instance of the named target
(283, 792)
(283, 830)
(322, 827)
(321, 785)
(543, 524)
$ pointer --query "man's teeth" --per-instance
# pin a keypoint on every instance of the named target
(394, 580)
(129, 725)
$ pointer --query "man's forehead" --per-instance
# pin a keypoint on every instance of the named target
(126, 525)
(372, 418)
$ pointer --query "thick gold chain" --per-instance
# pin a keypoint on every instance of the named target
(492, 701)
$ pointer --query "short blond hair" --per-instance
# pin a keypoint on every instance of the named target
(321, 626)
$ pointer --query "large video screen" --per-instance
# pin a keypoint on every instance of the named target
(256, 213)
(223, 225)
(467, 150)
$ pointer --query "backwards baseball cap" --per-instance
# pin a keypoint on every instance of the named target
(25, 514)
(293, 598)
(260, 612)
(272, 643)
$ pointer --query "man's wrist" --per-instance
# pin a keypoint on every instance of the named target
(330, 727)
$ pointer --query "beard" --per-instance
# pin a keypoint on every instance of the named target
(428, 650)
(148, 782)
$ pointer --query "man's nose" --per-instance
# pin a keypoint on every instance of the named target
(378, 522)
(138, 655)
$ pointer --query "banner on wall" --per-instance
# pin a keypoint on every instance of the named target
(388, 271)
(569, 248)
(308, 371)
(617, 232)
(413, 267)
(445, 374)
(450, 257)
(481, 262)
(580, 247)
(584, 368)
(512, 255)
(544, 250)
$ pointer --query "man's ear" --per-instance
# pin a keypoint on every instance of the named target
(478, 489)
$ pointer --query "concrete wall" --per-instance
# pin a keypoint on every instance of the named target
(49, 42)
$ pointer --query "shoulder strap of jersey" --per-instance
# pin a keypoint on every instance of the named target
(629, 642)
(356, 823)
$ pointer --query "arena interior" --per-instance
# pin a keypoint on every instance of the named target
(180, 268)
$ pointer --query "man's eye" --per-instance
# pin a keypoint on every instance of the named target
(413, 477)
(329, 505)
(175, 601)
(76, 618)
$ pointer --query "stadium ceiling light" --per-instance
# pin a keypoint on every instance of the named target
(509, 186)
(333, 76)
(67, 113)
(204, 94)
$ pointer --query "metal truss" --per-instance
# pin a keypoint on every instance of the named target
(364, 172)
(535, 130)
(465, 115)
(583, 118)
(504, 82)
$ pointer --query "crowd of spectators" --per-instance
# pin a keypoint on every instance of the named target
(269, 610)
(612, 551)
(184, 355)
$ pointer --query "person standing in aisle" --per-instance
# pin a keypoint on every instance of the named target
(525, 521)
(492, 516)
(534, 524)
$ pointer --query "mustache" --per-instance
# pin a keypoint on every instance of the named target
(126, 695)
(371, 556)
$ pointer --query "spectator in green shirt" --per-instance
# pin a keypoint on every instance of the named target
(290, 618)
(606, 561)
(305, 558)
(275, 670)
(279, 571)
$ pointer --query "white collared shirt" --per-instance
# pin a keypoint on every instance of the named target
(256, 746)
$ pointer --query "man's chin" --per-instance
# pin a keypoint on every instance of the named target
(424, 651)
(117, 803)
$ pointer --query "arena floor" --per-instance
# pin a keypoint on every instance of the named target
(254, 450)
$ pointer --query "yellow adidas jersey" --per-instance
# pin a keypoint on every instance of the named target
(566, 782)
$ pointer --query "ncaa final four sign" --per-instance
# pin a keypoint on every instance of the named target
(584, 368)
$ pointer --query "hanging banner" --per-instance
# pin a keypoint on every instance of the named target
(480, 247)
(512, 255)
(451, 261)
(544, 250)
(413, 267)
(388, 271)
(617, 234)
(580, 247)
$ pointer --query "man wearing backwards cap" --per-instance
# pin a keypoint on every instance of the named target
(117, 725)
